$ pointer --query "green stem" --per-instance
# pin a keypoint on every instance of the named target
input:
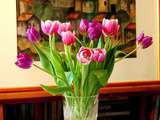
(40, 68)
(52, 42)
(71, 65)
(76, 81)
(107, 43)
(127, 54)
(79, 41)
(84, 39)
(46, 71)
(91, 44)
(84, 72)
(68, 56)
(50, 45)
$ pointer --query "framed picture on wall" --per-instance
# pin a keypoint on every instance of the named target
(31, 12)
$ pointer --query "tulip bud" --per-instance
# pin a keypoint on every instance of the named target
(99, 55)
(110, 27)
(140, 37)
(24, 61)
(33, 35)
(83, 27)
(68, 38)
(85, 55)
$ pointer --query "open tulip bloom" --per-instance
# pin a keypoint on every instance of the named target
(88, 58)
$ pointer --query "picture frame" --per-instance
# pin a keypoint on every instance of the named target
(143, 68)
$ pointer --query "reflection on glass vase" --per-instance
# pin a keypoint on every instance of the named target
(80, 108)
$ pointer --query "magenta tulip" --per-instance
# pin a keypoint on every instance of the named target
(68, 38)
(144, 41)
(83, 27)
(99, 55)
(94, 30)
(84, 55)
(33, 35)
(65, 27)
(24, 61)
(110, 27)
(50, 27)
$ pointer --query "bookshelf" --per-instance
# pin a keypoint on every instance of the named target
(134, 97)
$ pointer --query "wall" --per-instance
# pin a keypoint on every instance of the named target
(144, 67)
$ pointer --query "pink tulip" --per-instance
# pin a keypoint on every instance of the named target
(140, 37)
(99, 55)
(65, 27)
(50, 27)
(85, 55)
(68, 38)
(110, 27)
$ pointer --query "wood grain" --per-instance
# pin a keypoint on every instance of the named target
(29, 94)
(1, 112)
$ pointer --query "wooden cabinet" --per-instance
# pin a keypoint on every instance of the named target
(127, 100)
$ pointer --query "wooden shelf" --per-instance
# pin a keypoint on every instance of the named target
(27, 94)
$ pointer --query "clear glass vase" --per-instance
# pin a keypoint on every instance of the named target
(80, 108)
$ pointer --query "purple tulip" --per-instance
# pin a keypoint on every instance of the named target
(33, 35)
(68, 38)
(140, 37)
(50, 27)
(144, 41)
(110, 27)
(83, 27)
(99, 55)
(94, 30)
(85, 55)
(24, 61)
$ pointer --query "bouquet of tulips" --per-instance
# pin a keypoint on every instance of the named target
(88, 58)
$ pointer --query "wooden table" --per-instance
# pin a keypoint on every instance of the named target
(36, 94)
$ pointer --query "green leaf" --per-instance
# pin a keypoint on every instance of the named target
(44, 59)
(59, 71)
(84, 72)
(110, 57)
(69, 76)
(91, 85)
(54, 91)
(100, 43)
(110, 61)
(101, 75)
(58, 68)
